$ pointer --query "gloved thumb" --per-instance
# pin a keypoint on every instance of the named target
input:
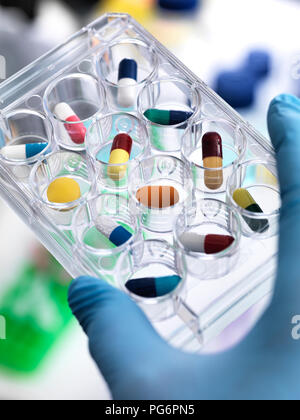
(284, 129)
(122, 340)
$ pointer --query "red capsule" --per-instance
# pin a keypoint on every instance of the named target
(122, 141)
(217, 243)
(77, 132)
(212, 145)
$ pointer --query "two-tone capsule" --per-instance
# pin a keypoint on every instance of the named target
(212, 152)
(116, 233)
(152, 287)
(158, 197)
(167, 117)
(206, 244)
(75, 128)
(120, 153)
(127, 81)
(245, 200)
(23, 151)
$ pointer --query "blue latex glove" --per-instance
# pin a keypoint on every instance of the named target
(138, 364)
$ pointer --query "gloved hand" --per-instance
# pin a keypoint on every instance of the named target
(138, 364)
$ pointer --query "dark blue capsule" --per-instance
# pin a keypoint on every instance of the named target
(128, 69)
(152, 287)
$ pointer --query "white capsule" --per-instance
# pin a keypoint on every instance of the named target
(63, 111)
(116, 233)
(14, 152)
(127, 93)
(193, 242)
(105, 225)
(22, 151)
(128, 70)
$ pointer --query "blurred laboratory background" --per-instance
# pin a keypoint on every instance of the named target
(248, 51)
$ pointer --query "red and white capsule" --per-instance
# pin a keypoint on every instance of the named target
(76, 128)
(206, 244)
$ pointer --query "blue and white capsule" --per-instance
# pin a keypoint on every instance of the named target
(128, 72)
(116, 233)
(23, 151)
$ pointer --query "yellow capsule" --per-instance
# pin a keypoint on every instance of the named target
(63, 190)
(243, 198)
(118, 156)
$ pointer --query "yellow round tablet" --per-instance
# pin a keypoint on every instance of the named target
(63, 190)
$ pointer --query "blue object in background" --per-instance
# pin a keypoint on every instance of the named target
(236, 88)
(259, 62)
(179, 5)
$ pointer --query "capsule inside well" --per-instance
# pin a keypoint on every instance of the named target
(158, 197)
(246, 201)
(167, 116)
(100, 239)
(29, 134)
(153, 287)
(24, 149)
(212, 149)
(206, 243)
(117, 175)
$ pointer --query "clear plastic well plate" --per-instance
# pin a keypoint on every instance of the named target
(82, 75)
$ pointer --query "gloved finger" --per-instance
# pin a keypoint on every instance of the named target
(122, 340)
(284, 129)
